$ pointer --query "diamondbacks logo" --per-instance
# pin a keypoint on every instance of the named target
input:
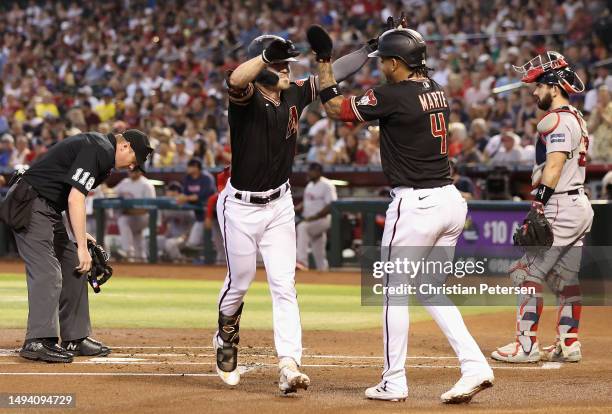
(368, 99)
(300, 82)
(292, 126)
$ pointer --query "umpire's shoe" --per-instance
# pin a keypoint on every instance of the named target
(44, 349)
(86, 347)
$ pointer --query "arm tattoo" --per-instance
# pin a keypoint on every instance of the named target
(326, 79)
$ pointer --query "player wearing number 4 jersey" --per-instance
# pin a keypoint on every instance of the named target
(560, 217)
(427, 211)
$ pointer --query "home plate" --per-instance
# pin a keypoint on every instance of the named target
(111, 360)
(551, 365)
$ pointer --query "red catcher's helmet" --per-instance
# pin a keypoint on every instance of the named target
(551, 69)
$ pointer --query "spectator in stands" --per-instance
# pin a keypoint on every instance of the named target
(7, 148)
(181, 156)
(132, 222)
(21, 152)
(463, 183)
(45, 106)
(92, 119)
(311, 232)
(600, 123)
(457, 134)
(203, 153)
(510, 155)
(501, 115)
(198, 185)
(178, 223)
(164, 156)
(479, 131)
(603, 78)
(528, 147)
(317, 146)
(372, 146)
(39, 148)
(528, 112)
(469, 153)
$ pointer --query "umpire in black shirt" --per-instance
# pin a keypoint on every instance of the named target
(56, 267)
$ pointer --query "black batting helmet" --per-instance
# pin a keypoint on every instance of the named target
(405, 44)
(258, 45)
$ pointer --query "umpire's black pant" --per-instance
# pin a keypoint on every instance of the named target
(57, 294)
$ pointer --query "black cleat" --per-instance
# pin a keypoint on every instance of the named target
(86, 347)
(44, 350)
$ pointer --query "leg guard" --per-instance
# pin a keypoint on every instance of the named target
(530, 306)
(227, 352)
(563, 282)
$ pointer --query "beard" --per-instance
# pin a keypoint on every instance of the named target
(545, 103)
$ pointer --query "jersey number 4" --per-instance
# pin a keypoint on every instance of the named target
(438, 129)
(81, 177)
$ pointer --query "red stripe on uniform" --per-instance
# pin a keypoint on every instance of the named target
(346, 111)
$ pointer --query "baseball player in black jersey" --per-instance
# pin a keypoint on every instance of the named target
(57, 288)
(255, 210)
(427, 210)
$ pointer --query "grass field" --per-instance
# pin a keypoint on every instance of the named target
(175, 303)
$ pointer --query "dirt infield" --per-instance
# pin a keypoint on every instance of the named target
(165, 370)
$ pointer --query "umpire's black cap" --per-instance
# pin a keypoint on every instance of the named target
(140, 144)
(257, 46)
(405, 44)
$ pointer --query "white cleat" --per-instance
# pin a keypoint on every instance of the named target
(291, 379)
(562, 353)
(466, 388)
(514, 353)
(382, 392)
(227, 358)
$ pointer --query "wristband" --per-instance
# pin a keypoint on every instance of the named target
(329, 93)
(543, 193)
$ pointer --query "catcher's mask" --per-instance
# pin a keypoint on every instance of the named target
(551, 68)
(269, 75)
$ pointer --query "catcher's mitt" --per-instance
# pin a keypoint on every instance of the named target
(100, 271)
(536, 231)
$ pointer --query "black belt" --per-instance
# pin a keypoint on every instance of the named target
(570, 192)
(264, 199)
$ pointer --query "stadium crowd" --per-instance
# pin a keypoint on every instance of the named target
(160, 66)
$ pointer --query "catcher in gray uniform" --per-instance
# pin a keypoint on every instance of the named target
(560, 216)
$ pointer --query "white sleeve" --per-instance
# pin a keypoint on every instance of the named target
(559, 139)
(330, 195)
(150, 193)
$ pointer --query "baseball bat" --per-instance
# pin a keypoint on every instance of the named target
(507, 87)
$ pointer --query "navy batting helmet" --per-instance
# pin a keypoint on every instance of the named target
(405, 44)
(257, 46)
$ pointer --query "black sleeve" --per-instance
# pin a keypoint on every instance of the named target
(84, 170)
(306, 90)
(375, 104)
(239, 96)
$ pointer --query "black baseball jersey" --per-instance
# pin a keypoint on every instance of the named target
(82, 161)
(413, 117)
(263, 134)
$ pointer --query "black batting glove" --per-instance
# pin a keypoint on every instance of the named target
(320, 42)
(279, 51)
